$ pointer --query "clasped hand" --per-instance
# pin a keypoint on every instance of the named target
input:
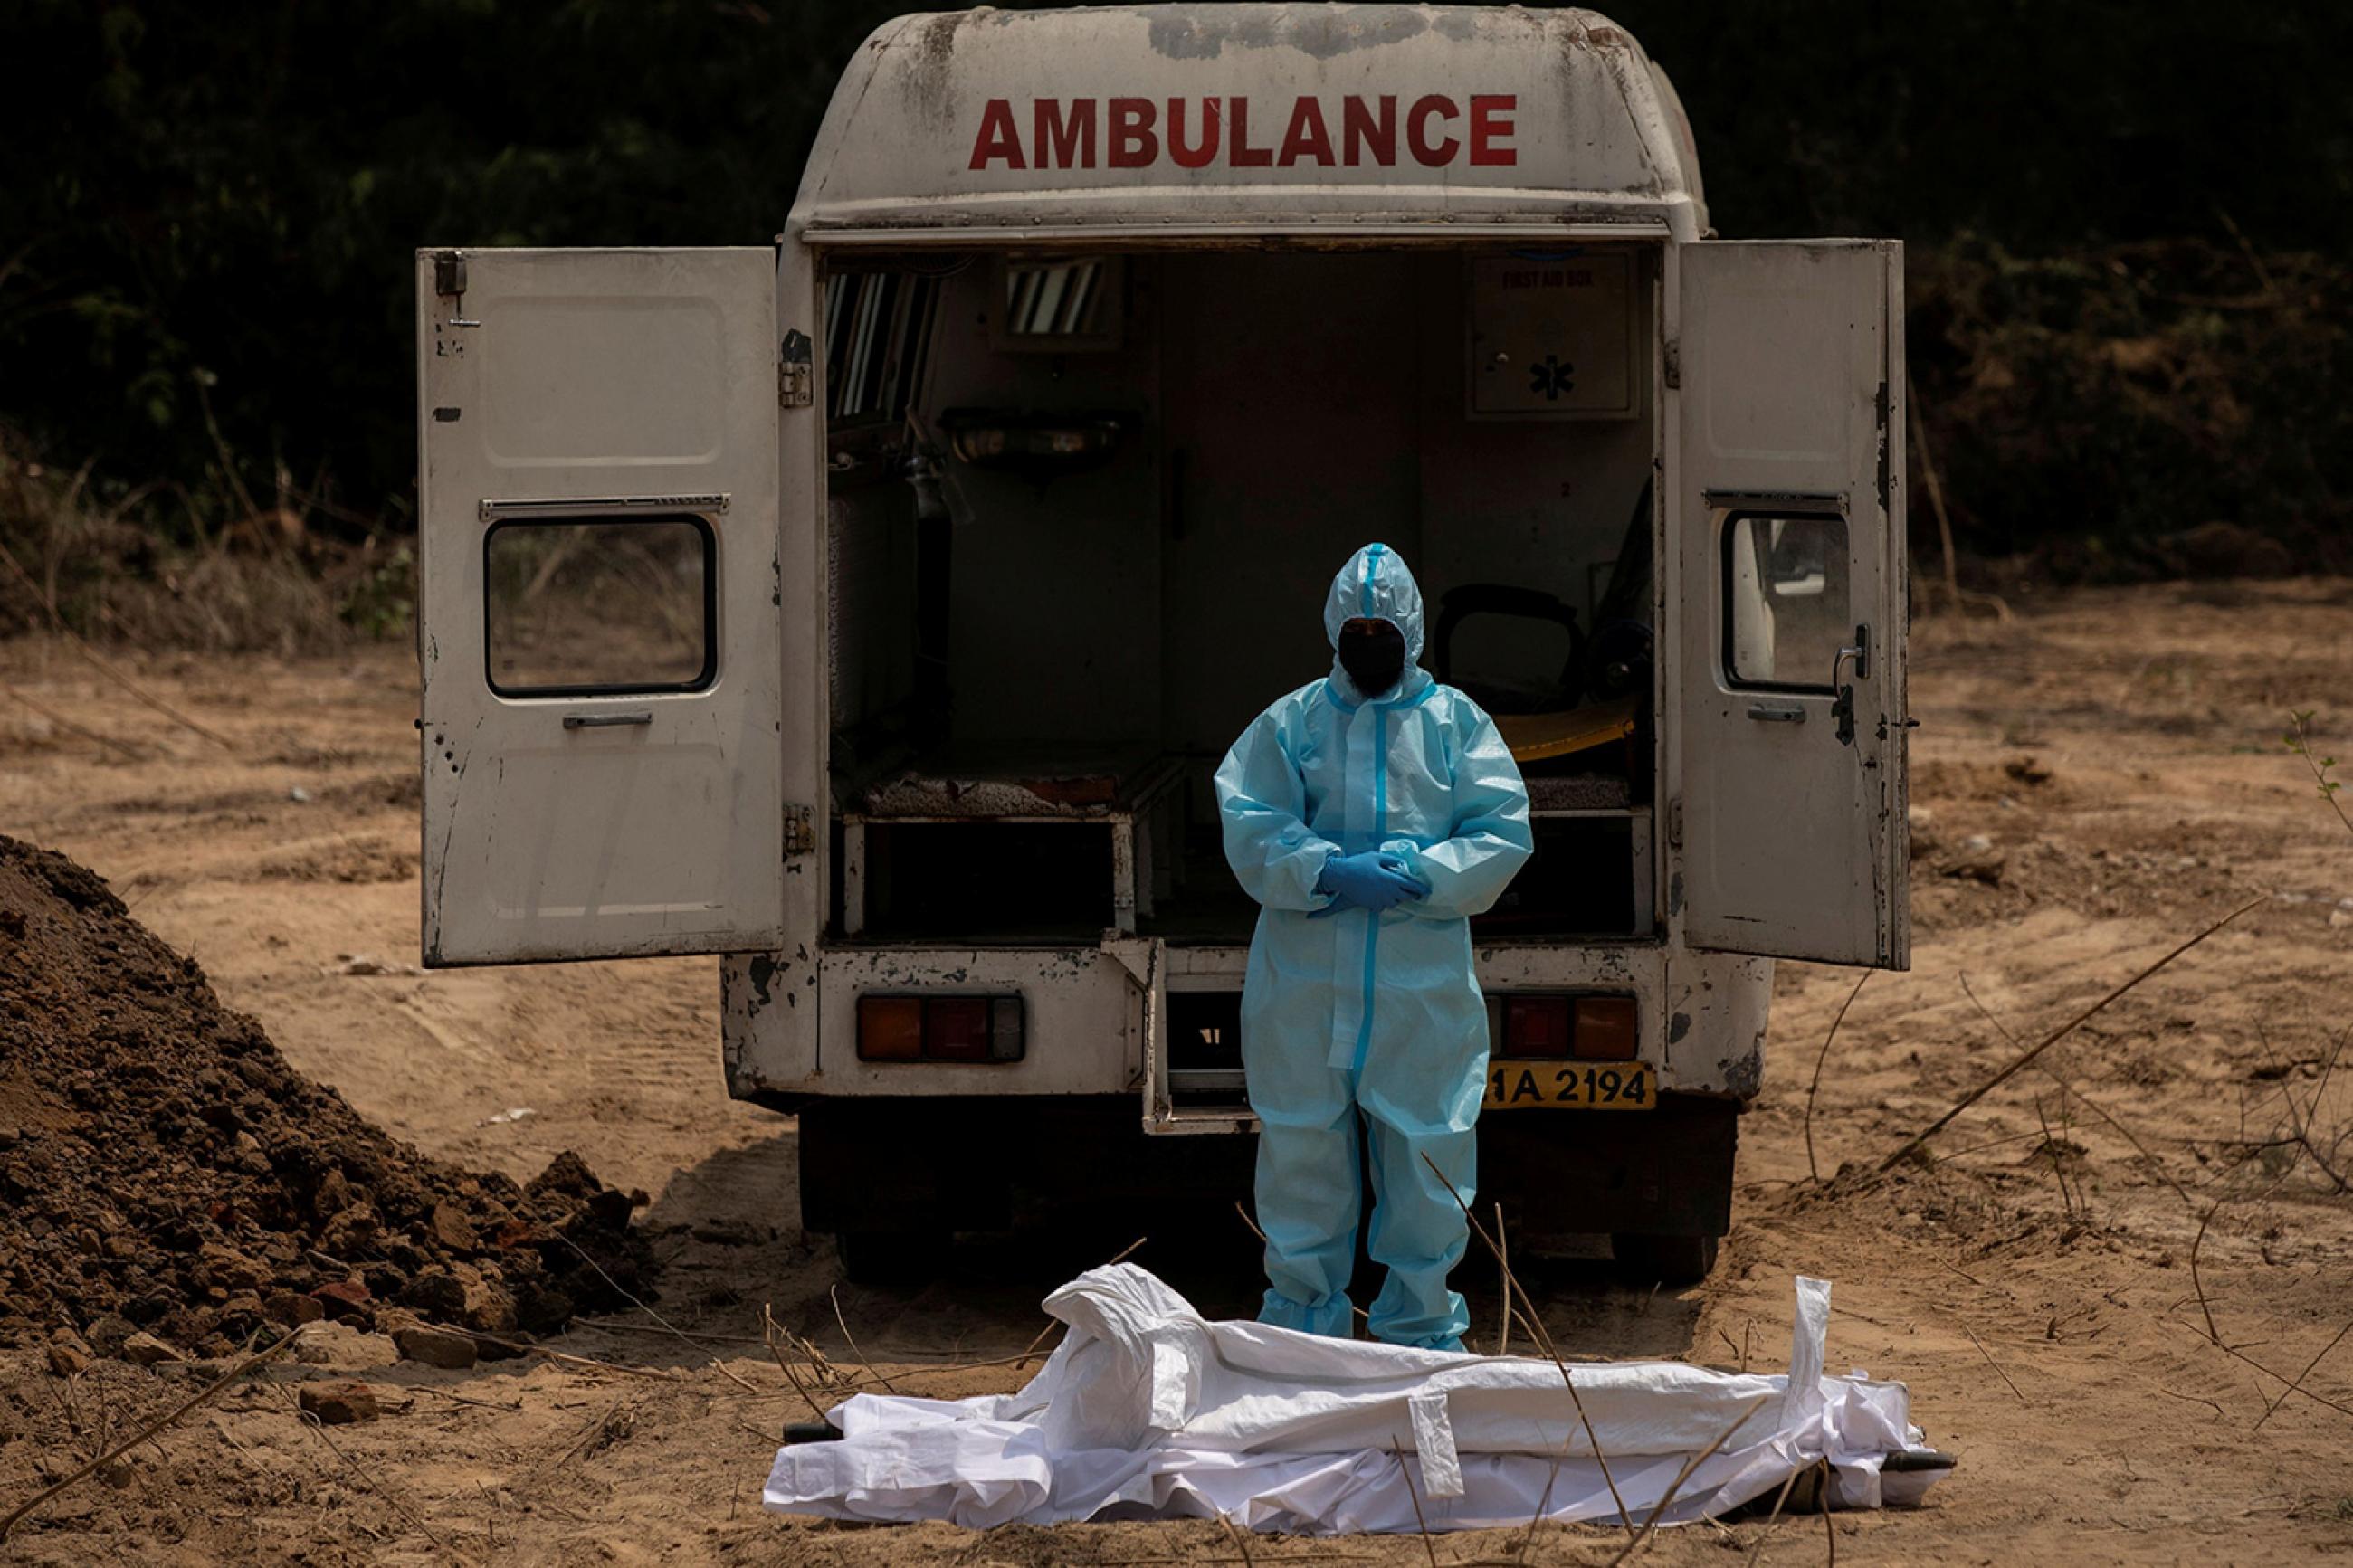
(1374, 880)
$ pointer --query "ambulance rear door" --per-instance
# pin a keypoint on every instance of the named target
(599, 603)
(1788, 513)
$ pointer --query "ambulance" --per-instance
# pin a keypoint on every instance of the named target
(871, 609)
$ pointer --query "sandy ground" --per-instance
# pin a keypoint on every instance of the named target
(2035, 1290)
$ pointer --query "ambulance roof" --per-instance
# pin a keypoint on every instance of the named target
(1253, 118)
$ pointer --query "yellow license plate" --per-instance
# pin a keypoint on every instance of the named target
(1577, 1085)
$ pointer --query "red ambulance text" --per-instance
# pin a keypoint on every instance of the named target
(1433, 131)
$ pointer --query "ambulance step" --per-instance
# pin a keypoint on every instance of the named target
(1182, 1119)
(1206, 1081)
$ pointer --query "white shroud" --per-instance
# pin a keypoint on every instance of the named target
(1149, 1410)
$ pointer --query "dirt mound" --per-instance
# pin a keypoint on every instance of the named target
(165, 1170)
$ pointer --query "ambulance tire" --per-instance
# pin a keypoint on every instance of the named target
(892, 1258)
(1663, 1259)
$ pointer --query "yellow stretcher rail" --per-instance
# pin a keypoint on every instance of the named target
(1534, 737)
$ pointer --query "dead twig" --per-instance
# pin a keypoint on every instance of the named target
(1771, 1518)
(1531, 1322)
(1820, 1057)
(1025, 1357)
(1413, 1494)
(1195, 1561)
(1694, 1463)
(1129, 1251)
(2300, 1118)
(2198, 1284)
(2293, 1387)
(715, 1363)
(1503, 1269)
(1544, 1507)
(1995, 1365)
(460, 1398)
(1917, 423)
(567, 1358)
(2190, 1399)
(2297, 1386)
(951, 1366)
(2052, 1038)
(2051, 1147)
(107, 670)
(852, 1341)
(768, 1330)
(615, 1325)
(201, 1398)
(62, 722)
(2093, 1106)
(318, 1429)
(1988, 1143)
(618, 1420)
(2299, 741)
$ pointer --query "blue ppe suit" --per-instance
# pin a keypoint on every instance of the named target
(1359, 1012)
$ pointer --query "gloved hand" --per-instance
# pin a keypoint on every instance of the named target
(1373, 881)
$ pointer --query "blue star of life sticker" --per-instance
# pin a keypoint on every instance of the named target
(1553, 377)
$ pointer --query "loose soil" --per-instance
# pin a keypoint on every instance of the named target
(2097, 779)
(166, 1171)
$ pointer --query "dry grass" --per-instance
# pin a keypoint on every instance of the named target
(122, 569)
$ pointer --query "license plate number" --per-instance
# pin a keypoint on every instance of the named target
(1579, 1085)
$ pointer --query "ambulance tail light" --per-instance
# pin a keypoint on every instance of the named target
(1605, 1028)
(981, 1029)
(1537, 1026)
(1524, 1028)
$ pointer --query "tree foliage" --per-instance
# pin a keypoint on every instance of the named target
(211, 208)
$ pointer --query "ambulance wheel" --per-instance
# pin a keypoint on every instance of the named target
(1664, 1259)
(891, 1257)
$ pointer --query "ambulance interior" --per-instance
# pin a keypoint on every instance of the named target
(1083, 511)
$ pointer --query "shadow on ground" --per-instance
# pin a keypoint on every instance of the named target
(727, 1231)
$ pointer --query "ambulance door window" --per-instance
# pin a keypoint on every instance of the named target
(578, 608)
(1787, 609)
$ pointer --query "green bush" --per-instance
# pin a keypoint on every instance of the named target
(2096, 406)
(211, 212)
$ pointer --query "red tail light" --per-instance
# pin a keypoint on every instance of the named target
(940, 1029)
(1536, 1027)
(1554, 1028)
(956, 1028)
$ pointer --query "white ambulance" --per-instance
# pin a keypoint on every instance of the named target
(871, 609)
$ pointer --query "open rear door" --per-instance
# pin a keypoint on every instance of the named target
(1789, 513)
(599, 603)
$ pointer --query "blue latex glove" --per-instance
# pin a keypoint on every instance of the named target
(1373, 881)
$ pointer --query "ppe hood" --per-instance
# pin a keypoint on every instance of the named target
(1376, 585)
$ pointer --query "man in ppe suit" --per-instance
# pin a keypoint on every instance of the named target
(1370, 813)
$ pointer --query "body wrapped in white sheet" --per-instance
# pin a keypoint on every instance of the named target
(1147, 1409)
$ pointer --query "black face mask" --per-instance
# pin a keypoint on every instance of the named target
(1373, 653)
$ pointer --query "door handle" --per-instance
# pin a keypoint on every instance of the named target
(1768, 714)
(605, 720)
(1844, 709)
(1859, 650)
